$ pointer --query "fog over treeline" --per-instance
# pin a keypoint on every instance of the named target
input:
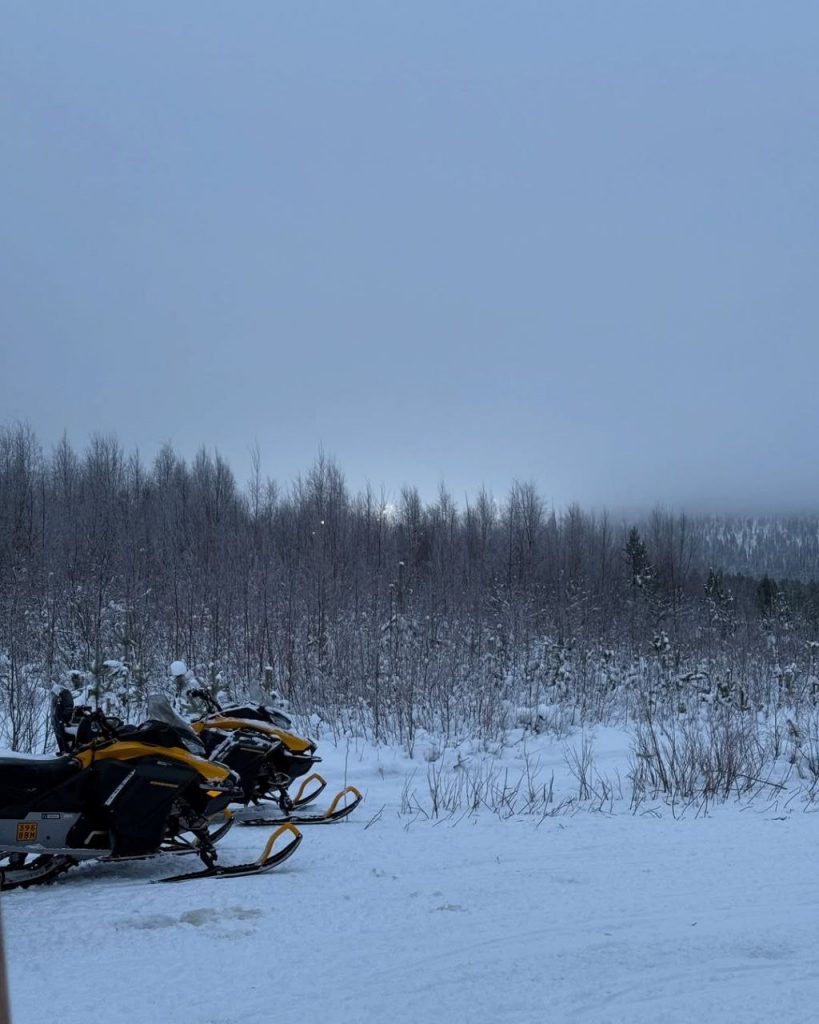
(351, 600)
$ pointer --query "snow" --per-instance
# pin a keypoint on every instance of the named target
(575, 917)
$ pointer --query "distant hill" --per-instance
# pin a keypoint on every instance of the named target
(781, 547)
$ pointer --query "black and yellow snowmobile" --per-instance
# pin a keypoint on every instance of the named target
(256, 740)
(124, 792)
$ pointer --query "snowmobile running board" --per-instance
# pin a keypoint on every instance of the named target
(266, 862)
(333, 812)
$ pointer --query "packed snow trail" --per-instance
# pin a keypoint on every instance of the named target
(582, 918)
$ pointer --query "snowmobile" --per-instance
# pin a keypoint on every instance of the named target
(255, 740)
(121, 793)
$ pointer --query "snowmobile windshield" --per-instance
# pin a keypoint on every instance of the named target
(159, 710)
(267, 702)
(257, 694)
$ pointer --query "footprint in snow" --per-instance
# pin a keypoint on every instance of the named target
(207, 914)
(196, 917)
(378, 873)
(150, 922)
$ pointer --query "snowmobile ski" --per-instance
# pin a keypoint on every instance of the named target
(181, 844)
(333, 813)
(302, 799)
(266, 862)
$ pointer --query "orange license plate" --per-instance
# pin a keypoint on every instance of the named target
(26, 832)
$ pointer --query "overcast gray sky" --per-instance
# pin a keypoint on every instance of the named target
(568, 242)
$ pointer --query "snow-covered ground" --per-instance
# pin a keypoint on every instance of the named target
(389, 917)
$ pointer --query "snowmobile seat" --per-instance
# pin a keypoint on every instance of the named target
(29, 775)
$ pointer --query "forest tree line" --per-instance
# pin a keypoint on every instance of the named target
(344, 600)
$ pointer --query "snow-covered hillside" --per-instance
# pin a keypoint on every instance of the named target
(577, 915)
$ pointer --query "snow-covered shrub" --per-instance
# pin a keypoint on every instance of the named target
(708, 755)
(23, 706)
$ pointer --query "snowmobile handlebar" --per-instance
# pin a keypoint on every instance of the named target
(203, 695)
(107, 726)
(93, 723)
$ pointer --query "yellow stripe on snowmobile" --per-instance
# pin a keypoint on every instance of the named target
(127, 750)
(230, 724)
(294, 743)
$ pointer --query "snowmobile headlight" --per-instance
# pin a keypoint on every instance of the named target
(218, 787)
(232, 781)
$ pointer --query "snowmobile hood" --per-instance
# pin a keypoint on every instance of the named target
(126, 750)
(294, 743)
